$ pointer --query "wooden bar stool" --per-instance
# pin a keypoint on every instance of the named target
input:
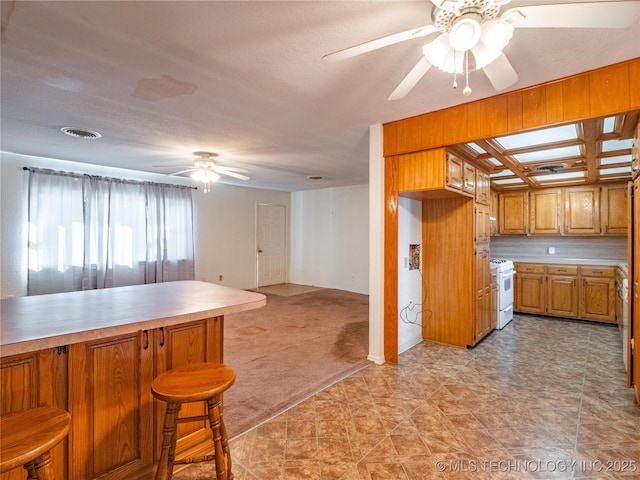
(28, 436)
(192, 383)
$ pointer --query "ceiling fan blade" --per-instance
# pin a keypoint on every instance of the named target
(232, 169)
(501, 73)
(181, 171)
(413, 77)
(379, 43)
(617, 14)
(232, 174)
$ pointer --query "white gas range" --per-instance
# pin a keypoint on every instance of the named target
(504, 272)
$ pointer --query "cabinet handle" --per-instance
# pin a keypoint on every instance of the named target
(162, 336)
(63, 349)
(562, 269)
(146, 339)
(574, 282)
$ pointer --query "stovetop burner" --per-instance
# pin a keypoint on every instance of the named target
(501, 264)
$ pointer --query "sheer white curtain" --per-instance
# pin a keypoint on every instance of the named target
(90, 232)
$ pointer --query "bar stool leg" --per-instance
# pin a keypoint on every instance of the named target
(225, 447)
(167, 454)
(40, 468)
(213, 407)
(31, 471)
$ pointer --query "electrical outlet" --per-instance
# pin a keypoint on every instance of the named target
(551, 250)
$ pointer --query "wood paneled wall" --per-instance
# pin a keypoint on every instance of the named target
(605, 91)
(593, 94)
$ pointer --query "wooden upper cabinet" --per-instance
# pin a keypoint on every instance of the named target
(422, 171)
(514, 213)
(483, 187)
(469, 184)
(494, 213)
(582, 210)
(482, 224)
(614, 210)
(455, 172)
(546, 211)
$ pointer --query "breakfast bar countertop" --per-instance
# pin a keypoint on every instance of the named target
(37, 322)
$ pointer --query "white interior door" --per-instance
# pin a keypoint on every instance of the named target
(271, 243)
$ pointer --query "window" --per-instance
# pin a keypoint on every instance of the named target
(94, 232)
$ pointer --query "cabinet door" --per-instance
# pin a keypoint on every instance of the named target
(514, 209)
(494, 213)
(493, 319)
(546, 212)
(482, 187)
(455, 172)
(530, 293)
(562, 296)
(597, 299)
(614, 210)
(111, 407)
(482, 321)
(482, 224)
(582, 210)
(31, 380)
(469, 172)
(635, 157)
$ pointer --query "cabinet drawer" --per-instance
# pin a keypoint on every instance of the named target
(609, 272)
(529, 268)
(562, 269)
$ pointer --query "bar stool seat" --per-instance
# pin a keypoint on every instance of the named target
(27, 438)
(192, 383)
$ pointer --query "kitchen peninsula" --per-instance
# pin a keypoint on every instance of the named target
(95, 353)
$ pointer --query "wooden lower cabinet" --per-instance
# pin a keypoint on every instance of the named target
(562, 296)
(571, 291)
(32, 380)
(106, 386)
(530, 293)
(111, 407)
(597, 299)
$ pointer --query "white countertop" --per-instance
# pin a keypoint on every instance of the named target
(45, 321)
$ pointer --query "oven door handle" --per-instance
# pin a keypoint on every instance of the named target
(507, 273)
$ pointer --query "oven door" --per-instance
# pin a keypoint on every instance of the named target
(505, 289)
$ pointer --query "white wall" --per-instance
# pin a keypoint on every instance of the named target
(409, 281)
(330, 238)
(224, 222)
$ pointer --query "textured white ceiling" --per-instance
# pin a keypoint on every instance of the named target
(244, 79)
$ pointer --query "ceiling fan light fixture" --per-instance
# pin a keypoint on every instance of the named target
(484, 54)
(496, 34)
(465, 32)
(440, 54)
(206, 176)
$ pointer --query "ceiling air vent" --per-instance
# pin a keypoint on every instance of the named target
(80, 133)
(551, 168)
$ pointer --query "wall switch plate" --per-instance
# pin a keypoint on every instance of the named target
(551, 250)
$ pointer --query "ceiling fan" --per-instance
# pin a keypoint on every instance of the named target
(473, 33)
(206, 170)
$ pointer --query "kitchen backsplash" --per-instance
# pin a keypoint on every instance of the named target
(513, 246)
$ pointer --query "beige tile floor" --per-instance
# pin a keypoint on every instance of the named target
(543, 398)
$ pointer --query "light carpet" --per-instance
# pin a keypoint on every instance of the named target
(288, 350)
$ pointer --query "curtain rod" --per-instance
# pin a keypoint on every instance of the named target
(80, 175)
